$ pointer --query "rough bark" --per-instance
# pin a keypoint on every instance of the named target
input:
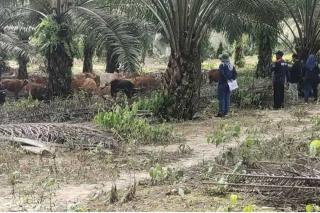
(264, 55)
(239, 54)
(22, 71)
(88, 53)
(182, 81)
(111, 62)
(143, 56)
(2, 66)
(59, 70)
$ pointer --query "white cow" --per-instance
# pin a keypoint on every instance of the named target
(106, 78)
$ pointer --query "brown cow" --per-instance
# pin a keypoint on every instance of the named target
(89, 86)
(13, 85)
(76, 83)
(39, 79)
(93, 76)
(36, 91)
(147, 82)
(213, 76)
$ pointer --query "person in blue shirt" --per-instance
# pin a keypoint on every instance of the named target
(311, 78)
(227, 72)
(280, 72)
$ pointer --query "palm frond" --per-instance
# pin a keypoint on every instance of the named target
(109, 30)
(10, 44)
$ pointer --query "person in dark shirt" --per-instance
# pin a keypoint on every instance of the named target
(227, 72)
(294, 77)
(279, 71)
(311, 78)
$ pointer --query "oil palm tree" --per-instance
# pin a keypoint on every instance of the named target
(266, 40)
(10, 43)
(303, 21)
(140, 21)
(54, 37)
(185, 23)
(88, 53)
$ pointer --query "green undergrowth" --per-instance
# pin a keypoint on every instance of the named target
(129, 127)
(252, 92)
(155, 104)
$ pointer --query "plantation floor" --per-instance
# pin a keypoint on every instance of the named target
(81, 180)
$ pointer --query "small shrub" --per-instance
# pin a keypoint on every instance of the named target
(77, 208)
(252, 92)
(224, 134)
(233, 199)
(158, 174)
(247, 149)
(314, 148)
(312, 208)
(155, 104)
(248, 208)
(125, 123)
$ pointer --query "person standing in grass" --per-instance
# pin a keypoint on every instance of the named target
(227, 72)
(279, 71)
(311, 78)
(294, 77)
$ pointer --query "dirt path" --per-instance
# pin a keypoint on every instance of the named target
(196, 134)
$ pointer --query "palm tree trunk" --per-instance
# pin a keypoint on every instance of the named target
(59, 70)
(2, 66)
(239, 54)
(87, 61)
(111, 61)
(143, 55)
(22, 71)
(182, 81)
(264, 55)
(60, 61)
(88, 53)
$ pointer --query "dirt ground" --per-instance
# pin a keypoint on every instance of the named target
(81, 180)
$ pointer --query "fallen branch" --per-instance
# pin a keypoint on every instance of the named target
(29, 145)
(37, 150)
(23, 141)
(60, 133)
(272, 177)
(263, 186)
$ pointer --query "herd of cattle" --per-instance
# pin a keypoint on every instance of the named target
(101, 85)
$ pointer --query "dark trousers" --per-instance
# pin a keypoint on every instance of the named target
(224, 98)
(310, 89)
(301, 88)
(278, 88)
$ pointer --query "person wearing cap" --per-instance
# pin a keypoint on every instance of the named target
(227, 72)
(311, 78)
(279, 71)
(294, 78)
